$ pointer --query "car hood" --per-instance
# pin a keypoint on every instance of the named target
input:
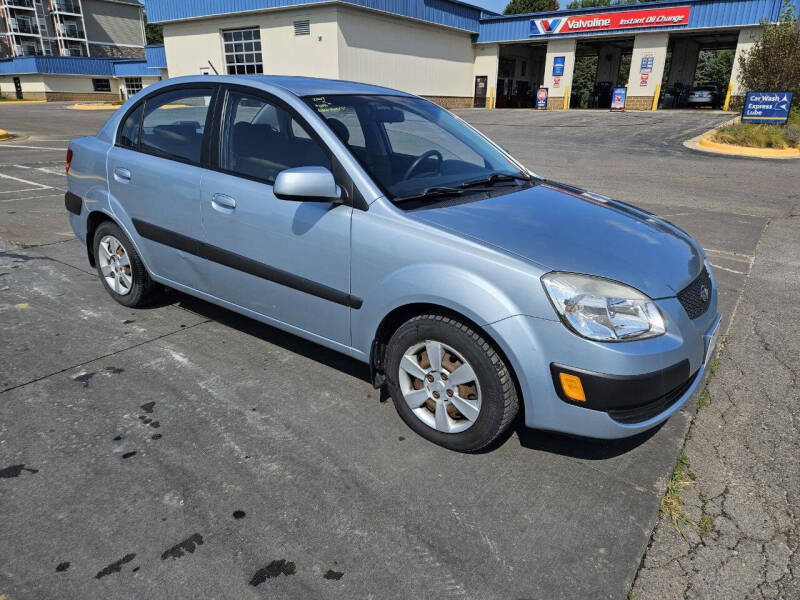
(563, 228)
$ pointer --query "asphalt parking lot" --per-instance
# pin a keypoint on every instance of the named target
(183, 450)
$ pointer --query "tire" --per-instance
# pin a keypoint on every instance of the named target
(134, 287)
(492, 389)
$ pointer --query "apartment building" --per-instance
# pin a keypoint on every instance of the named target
(92, 28)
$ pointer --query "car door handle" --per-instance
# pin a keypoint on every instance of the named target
(223, 203)
(122, 174)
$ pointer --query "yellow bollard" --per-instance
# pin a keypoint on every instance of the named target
(727, 104)
(655, 98)
(566, 98)
(490, 106)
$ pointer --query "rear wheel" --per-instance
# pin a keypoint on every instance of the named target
(449, 384)
(120, 268)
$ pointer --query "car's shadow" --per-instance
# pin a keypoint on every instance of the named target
(533, 439)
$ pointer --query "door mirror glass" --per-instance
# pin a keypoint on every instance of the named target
(307, 184)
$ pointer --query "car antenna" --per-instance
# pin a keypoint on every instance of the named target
(212, 68)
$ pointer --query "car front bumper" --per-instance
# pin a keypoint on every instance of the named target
(630, 386)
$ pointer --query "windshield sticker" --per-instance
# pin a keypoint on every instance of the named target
(323, 106)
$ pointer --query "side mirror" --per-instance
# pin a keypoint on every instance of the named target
(307, 184)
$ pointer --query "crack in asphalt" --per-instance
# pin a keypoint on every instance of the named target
(743, 448)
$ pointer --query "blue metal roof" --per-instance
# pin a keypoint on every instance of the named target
(76, 65)
(156, 57)
(450, 13)
(704, 14)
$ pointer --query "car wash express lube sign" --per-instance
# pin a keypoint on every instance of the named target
(611, 21)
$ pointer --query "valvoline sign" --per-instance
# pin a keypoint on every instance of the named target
(611, 21)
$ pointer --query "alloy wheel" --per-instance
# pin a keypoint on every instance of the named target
(440, 386)
(115, 265)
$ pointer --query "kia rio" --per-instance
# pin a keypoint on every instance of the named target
(380, 225)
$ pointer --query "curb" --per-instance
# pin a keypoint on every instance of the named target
(4, 135)
(94, 107)
(730, 149)
(703, 143)
(12, 102)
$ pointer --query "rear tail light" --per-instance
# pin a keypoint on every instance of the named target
(69, 159)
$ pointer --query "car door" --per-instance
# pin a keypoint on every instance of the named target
(154, 174)
(283, 259)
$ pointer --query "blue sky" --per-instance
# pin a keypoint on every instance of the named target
(495, 5)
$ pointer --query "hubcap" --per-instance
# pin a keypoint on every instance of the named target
(440, 387)
(115, 265)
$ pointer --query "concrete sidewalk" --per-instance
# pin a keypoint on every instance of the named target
(739, 535)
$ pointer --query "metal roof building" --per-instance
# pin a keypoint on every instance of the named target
(453, 52)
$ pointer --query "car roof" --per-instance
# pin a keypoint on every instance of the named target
(313, 86)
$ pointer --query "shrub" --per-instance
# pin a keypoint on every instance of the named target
(753, 136)
(773, 63)
(793, 134)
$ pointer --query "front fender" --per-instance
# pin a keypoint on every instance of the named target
(443, 285)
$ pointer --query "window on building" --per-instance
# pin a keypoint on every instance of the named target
(302, 27)
(133, 85)
(243, 51)
(101, 85)
(174, 123)
(260, 139)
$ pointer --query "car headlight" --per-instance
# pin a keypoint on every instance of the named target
(601, 309)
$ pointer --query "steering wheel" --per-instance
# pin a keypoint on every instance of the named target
(415, 165)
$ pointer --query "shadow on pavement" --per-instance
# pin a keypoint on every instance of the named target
(532, 439)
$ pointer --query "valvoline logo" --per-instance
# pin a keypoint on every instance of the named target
(543, 26)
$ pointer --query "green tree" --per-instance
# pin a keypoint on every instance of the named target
(583, 78)
(153, 32)
(714, 67)
(773, 63)
(517, 7)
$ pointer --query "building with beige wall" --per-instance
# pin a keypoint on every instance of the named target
(458, 54)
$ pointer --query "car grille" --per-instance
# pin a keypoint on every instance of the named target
(637, 414)
(691, 297)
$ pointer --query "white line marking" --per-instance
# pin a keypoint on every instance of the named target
(10, 200)
(51, 171)
(728, 270)
(22, 190)
(39, 185)
(10, 147)
(745, 258)
(21, 166)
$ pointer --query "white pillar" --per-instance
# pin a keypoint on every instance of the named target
(747, 37)
(559, 85)
(649, 54)
(487, 58)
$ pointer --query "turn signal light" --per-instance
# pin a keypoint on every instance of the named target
(69, 159)
(572, 386)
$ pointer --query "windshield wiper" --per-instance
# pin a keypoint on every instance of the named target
(432, 192)
(495, 178)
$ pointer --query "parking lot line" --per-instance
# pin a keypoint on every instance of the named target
(11, 146)
(728, 270)
(51, 171)
(39, 185)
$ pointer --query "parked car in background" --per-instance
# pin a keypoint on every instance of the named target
(380, 225)
(704, 95)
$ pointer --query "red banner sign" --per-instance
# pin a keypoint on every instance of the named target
(627, 19)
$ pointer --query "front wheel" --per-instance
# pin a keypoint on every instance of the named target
(449, 384)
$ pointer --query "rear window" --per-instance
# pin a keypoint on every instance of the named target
(174, 124)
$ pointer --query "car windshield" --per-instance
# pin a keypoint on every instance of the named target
(412, 147)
